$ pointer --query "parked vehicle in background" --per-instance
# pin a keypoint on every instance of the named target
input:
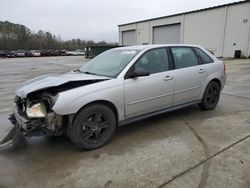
(35, 53)
(54, 52)
(75, 52)
(20, 53)
(68, 52)
(11, 54)
(62, 52)
(6, 54)
(80, 52)
(45, 53)
(119, 86)
(28, 53)
(3, 53)
(32, 53)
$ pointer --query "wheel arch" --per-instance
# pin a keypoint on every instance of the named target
(103, 102)
(214, 79)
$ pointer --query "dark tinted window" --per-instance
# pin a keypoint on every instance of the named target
(184, 57)
(203, 56)
(154, 61)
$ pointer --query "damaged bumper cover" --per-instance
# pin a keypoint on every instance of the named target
(26, 125)
(49, 125)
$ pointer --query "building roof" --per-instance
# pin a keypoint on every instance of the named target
(188, 12)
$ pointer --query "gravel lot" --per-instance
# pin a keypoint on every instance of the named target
(185, 148)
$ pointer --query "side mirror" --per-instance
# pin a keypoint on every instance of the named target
(138, 73)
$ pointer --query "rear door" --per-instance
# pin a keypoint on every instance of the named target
(189, 75)
(149, 93)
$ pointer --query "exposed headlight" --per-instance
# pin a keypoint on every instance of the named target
(36, 111)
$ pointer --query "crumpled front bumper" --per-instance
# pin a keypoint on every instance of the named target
(19, 120)
(29, 127)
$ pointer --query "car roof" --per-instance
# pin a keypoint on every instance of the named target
(151, 46)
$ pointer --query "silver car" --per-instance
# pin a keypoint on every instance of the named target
(119, 86)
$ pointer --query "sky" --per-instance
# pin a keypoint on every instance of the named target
(92, 19)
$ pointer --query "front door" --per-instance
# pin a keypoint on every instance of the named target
(149, 93)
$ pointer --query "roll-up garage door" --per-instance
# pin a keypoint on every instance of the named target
(128, 37)
(168, 34)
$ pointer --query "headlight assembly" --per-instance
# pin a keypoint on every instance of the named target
(37, 110)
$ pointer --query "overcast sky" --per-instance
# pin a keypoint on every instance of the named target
(92, 19)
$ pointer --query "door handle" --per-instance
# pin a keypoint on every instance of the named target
(168, 78)
(202, 71)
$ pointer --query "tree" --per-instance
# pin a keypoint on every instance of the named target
(16, 36)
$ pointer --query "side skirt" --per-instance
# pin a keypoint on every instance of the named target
(141, 117)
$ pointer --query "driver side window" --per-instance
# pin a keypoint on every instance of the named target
(154, 61)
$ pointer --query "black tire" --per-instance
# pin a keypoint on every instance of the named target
(93, 127)
(211, 96)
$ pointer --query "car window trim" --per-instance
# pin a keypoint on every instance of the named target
(172, 56)
(170, 59)
(202, 62)
(132, 67)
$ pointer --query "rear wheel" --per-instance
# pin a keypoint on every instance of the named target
(93, 127)
(211, 96)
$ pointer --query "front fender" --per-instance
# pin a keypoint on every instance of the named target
(71, 101)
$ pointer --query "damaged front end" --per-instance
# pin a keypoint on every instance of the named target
(35, 117)
(34, 101)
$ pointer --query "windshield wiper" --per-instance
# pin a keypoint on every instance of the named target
(86, 72)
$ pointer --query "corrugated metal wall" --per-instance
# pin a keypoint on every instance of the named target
(205, 28)
(142, 33)
(237, 30)
(221, 30)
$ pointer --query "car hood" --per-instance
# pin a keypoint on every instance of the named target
(52, 80)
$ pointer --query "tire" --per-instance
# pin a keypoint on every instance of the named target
(93, 127)
(211, 96)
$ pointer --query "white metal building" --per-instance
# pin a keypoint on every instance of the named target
(221, 29)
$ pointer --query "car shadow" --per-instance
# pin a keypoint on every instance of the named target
(143, 130)
(54, 150)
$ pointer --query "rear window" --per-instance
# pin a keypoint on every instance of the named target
(203, 56)
(184, 57)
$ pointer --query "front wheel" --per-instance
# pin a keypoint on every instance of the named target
(93, 127)
(211, 96)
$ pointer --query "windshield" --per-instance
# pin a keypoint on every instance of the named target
(109, 63)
